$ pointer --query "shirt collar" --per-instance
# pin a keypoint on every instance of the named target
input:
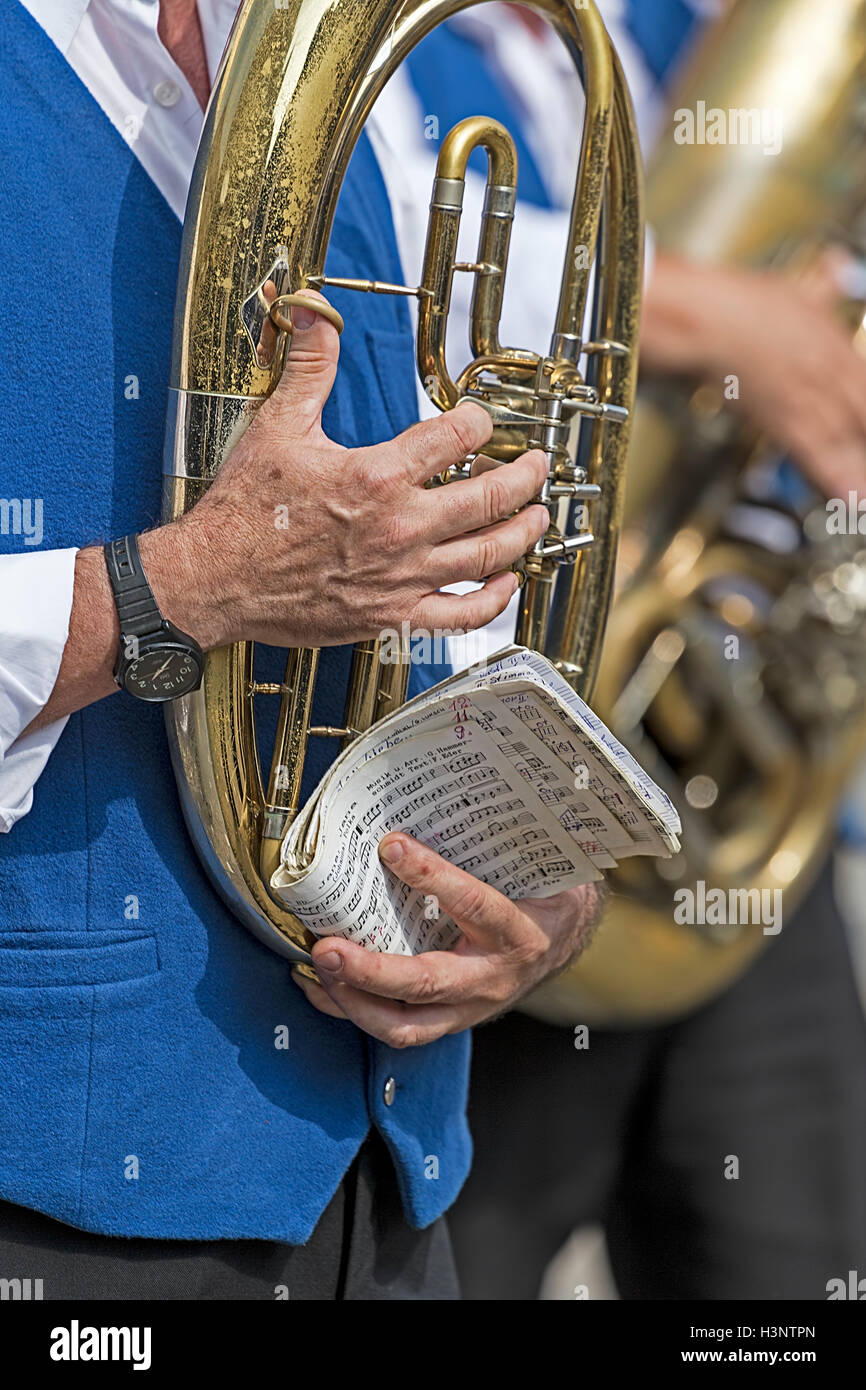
(60, 22)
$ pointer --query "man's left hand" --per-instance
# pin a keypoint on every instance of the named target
(506, 949)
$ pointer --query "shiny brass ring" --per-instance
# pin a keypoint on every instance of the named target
(302, 301)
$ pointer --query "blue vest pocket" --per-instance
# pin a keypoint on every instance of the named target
(39, 960)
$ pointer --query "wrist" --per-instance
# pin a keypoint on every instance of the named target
(181, 573)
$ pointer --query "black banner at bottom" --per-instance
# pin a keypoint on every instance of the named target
(229, 1339)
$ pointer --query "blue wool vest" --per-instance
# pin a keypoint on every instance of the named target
(143, 1090)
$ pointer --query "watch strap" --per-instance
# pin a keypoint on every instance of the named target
(137, 608)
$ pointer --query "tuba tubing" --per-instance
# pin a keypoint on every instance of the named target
(295, 86)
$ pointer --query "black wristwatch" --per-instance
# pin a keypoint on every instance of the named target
(156, 662)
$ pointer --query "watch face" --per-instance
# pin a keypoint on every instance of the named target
(164, 673)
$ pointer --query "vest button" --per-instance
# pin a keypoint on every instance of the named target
(167, 93)
(390, 1091)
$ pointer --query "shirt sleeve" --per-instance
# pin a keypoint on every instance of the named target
(35, 604)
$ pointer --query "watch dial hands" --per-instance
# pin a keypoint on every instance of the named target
(156, 675)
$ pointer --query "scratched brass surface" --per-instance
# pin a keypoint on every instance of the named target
(295, 87)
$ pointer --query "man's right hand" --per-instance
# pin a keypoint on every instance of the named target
(301, 542)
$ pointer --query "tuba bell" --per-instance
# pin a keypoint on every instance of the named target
(754, 751)
(296, 84)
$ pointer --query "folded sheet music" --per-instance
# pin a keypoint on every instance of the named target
(504, 771)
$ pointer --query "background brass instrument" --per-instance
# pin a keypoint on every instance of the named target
(755, 752)
(296, 84)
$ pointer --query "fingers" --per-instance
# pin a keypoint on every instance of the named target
(311, 366)
(434, 445)
(394, 1023)
(466, 612)
(436, 977)
(318, 997)
(486, 552)
(490, 497)
(484, 916)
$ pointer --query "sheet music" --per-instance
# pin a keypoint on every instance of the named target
(652, 828)
(503, 771)
(454, 790)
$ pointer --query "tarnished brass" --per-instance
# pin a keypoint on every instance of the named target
(755, 751)
(295, 87)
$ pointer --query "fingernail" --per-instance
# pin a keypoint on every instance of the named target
(391, 851)
(331, 962)
(302, 319)
(478, 410)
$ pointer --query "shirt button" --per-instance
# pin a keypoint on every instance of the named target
(167, 93)
(390, 1091)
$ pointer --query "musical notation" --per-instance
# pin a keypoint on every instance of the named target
(533, 798)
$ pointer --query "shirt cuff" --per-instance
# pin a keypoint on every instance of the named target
(35, 604)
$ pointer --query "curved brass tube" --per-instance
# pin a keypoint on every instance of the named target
(295, 87)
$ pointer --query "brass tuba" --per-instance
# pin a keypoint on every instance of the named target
(754, 751)
(296, 84)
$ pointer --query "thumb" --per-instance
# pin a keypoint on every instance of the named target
(311, 366)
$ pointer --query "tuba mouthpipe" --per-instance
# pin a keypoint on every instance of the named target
(446, 210)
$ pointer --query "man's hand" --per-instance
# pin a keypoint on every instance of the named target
(301, 542)
(801, 381)
(506, 949)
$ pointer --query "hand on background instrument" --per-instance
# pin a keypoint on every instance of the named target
(506, 950)
(801, 382)
(301, 542)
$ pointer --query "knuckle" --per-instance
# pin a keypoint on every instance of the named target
(412, 451)
(403, 1035)
(538, 468)
(376, 477)
(469, 618)
(498, 991)
(421, 868)
(394, 530)
(537, 522)
(486, 557)
(425, 987)
(541, 464)
(469, 901)
(529, 951)
(498, 500)
(461, 433)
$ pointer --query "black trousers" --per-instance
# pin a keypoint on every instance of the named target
(638, 1133)
(361, 1250)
